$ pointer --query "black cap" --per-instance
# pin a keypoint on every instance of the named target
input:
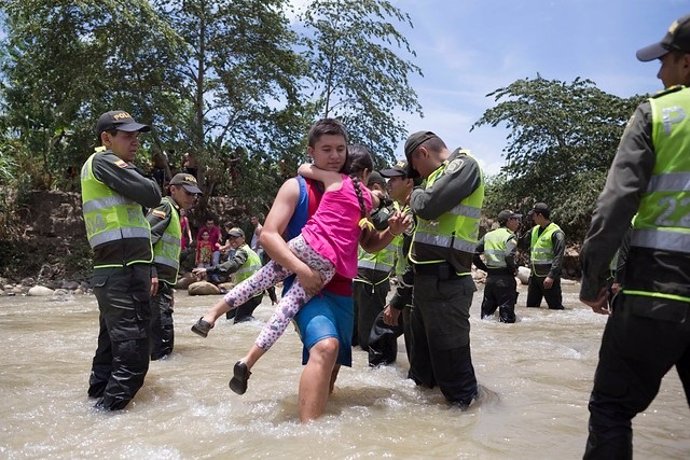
(399, 170)
(375, 178)
(506, 214)
(187, 181)
(411, 144)
(676, 39)
(541, 207)
(119, 120)
(236, 232)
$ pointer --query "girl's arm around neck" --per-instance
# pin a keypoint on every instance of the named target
(328, 178)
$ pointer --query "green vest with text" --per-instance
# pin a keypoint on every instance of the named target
(663, 218)
(455, 231)
(112, 219)
(166, 251)
(496, 248)
(541, 249)
(250, 266)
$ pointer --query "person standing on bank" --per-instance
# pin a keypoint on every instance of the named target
(499, 247)
(648, 330)
(448, 210)
(244, 262)
(166, 237)
(546, 243)
(113, 193)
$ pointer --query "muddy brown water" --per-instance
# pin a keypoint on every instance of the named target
(537, 374)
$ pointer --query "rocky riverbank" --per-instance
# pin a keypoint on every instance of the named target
(47, 245)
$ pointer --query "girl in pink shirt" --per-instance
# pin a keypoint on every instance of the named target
(327, 244)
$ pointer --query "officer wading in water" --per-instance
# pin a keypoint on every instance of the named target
(499, 247)
(648, 330)
(447, 209)
(166, 237)
(113, 193)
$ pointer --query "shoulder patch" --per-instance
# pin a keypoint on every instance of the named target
(455, 165)
(121, 163)
(158, 213)
(669, 90)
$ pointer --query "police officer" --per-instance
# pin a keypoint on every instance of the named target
(166, 237)
(243, 264)
(113, 193)
(372, 283)
(499, 247)
(394, 320)
(546, 242)
(648, 330)
(448, 210)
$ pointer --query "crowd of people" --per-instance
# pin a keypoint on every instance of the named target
(343, 231)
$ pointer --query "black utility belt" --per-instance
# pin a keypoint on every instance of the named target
(443, 271)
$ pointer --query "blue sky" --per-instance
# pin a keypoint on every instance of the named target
(468, 48)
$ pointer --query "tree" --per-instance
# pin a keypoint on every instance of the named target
(63, 64)
(562, 140)
(354, 72)
(239, 78)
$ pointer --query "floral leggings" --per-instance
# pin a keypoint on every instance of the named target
(294, 298)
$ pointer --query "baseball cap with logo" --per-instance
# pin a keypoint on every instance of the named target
(677, 38)
(119, 120)
(187, 181)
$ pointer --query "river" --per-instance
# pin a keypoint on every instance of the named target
(537, 374)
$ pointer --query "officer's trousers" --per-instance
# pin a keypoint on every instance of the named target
(122, 356)
(162, 328)
(370, 300)
(636, 352)
(441, 336)
(535, 292)
(500, 292)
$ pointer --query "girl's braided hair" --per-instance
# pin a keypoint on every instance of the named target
(359, 159)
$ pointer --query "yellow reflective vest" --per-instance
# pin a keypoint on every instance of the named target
(113, 220)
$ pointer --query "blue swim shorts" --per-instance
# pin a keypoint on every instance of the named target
(327, 315)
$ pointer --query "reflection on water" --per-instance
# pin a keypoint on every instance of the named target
(536, 376)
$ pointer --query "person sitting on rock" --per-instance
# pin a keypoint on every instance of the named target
(243, 264)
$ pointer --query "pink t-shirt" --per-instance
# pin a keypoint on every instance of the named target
(333, 231)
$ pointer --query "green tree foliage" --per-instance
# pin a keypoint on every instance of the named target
(232, 81)
(354, 71)
(65, 62)
(562, 139)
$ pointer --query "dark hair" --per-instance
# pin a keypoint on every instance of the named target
(113, 132)
(324, 127)
(358, 159)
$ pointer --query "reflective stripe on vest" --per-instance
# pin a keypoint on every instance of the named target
(383, 260)
(455, 230)
(541, 249)
(496, 248)
(663, 218)
(110, 218)
(250, 266)
(166, 251)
